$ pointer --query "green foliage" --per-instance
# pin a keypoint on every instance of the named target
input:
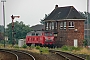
(42, 20)
(16, 46)
(64, 48)
(20, 30)
(88, 57)
(69, 48)
(74, 48)
(85, 42)
(1, 41)
(84, 14)
(38, 47)
(42, 49)
(1, 28)
(24, 46)
(1, 36)
(32, 46)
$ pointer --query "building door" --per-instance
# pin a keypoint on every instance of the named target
(75, 43)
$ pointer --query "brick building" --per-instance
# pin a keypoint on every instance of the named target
(67, 24)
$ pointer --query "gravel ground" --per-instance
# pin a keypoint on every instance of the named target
(38, 56)
(49, 56)
(6, 56)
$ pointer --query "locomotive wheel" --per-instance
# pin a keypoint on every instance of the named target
(28, 44)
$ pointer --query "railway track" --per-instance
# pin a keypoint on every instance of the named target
(67, 56)
(7, 55)
(20, 55)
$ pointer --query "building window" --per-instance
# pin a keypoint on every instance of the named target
(64, 25)
(52, 25)
(61, 25)
(71, 25)
(56, 26)
(46, 26)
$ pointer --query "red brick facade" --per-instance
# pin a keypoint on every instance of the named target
(66, 36)
(76, 33)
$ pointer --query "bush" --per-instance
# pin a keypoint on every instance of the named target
(44, 50)
(32, 46)
(16, 46)
(75, 48)
(38, 47)
(24, 46)
(69, 48)
(65, 48)
(1, 41)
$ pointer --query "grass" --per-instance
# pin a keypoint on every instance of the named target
(45, 50)
(82, 51)
(32, 48)
(70, 48)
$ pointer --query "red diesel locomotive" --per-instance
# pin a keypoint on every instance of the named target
(41, 38)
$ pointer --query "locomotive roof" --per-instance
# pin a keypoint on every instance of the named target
(37, 31)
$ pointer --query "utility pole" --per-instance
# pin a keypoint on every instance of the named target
(4, 19)
(88, 29)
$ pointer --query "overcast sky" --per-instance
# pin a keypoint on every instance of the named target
(31, 11)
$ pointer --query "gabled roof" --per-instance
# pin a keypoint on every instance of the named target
(68, 12)
(37, 27)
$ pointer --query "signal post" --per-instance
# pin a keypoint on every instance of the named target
(13, 17)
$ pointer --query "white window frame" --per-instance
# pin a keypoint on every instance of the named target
(64, 25)
(71, 24)
(56, 25)
(52, 25)
(61, 25)
(46, 26)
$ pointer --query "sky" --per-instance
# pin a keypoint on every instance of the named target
(31, 11)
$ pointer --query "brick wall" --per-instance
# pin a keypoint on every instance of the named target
(67, 36)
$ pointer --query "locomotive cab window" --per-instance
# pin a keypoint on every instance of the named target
(48, 34)
(38, 34)
(28, 34)
(33, 34)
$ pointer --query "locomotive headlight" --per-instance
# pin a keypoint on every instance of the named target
(46, 38)
(51, 38)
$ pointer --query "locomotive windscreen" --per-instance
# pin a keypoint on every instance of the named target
(48, 34)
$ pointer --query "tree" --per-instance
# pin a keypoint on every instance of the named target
(1, 36)
(1, 32)
(42, 22)
(87, 30)
(85, 43)
(20, 30)
(1, 28)
(84, 14)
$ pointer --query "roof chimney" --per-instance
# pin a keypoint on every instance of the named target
(56, 6)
